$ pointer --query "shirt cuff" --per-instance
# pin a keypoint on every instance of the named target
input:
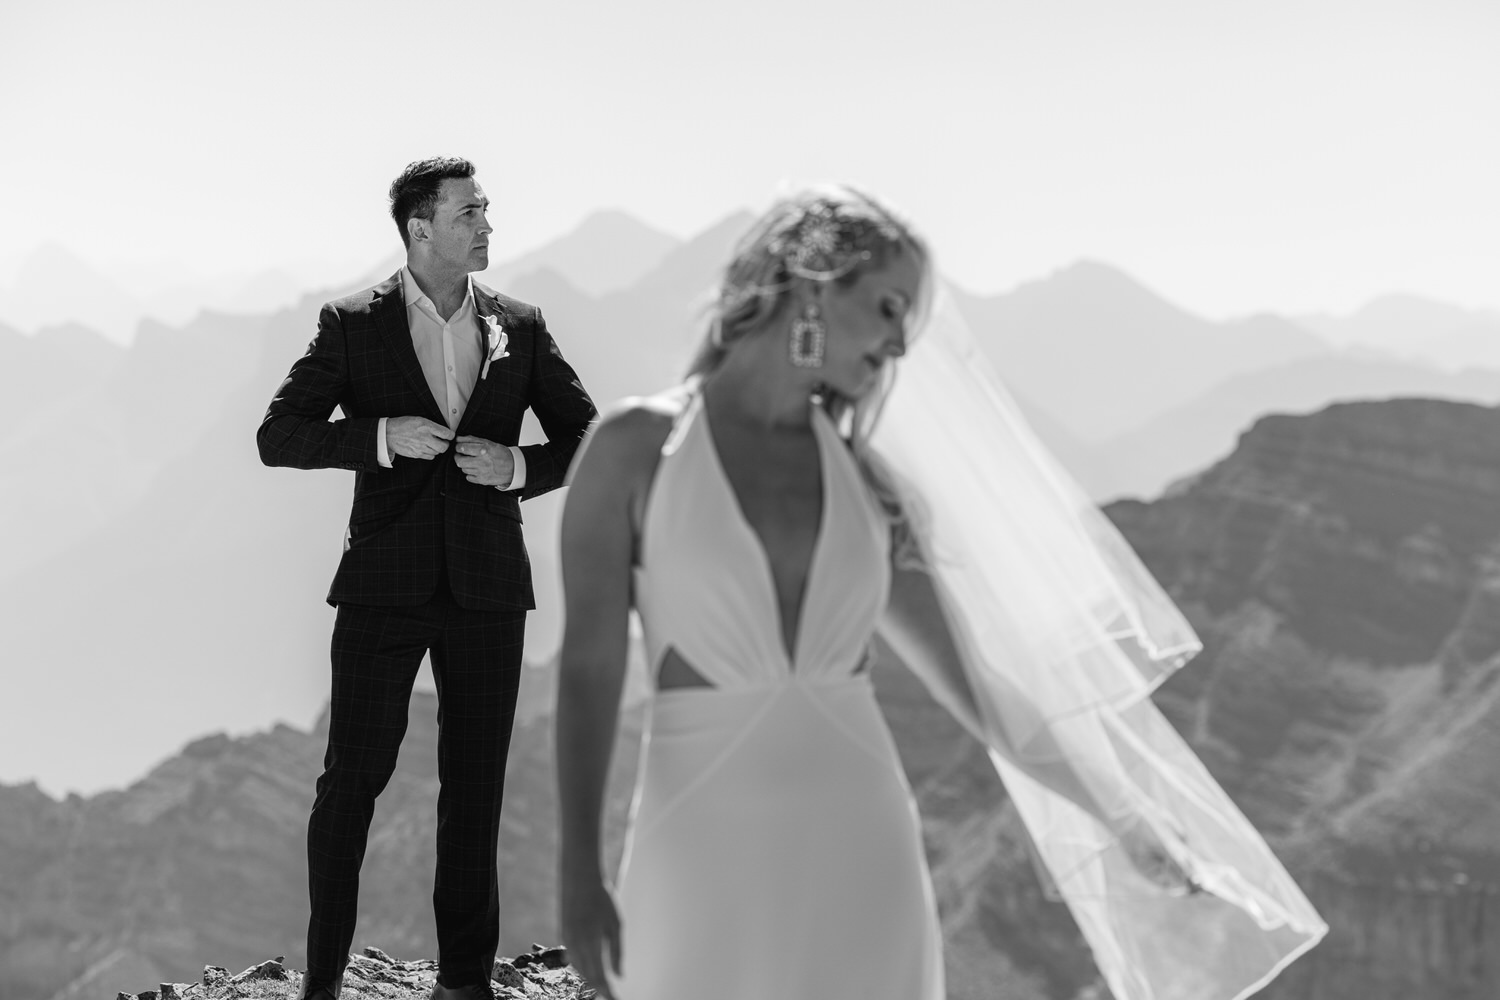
(382, 453)
(518, 475)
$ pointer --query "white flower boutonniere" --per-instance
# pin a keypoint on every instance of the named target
(495, 340)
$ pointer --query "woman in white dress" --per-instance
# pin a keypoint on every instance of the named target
(774, 849)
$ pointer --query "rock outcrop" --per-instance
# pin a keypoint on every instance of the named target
(539, 974)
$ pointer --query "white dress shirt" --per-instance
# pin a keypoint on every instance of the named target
(451, 353)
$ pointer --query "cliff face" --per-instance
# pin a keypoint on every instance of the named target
(1343, 570)
(1393, 938)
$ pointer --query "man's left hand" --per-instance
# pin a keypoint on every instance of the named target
(484, 462)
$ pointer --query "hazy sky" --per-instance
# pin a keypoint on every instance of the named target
(1284, 154)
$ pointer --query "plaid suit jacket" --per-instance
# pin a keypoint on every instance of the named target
(410, 521)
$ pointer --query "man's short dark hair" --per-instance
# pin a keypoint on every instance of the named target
(415, 193)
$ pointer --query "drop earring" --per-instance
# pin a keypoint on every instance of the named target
(808, 335)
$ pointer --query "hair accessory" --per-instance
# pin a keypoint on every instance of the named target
(822, 245)
(809, 333)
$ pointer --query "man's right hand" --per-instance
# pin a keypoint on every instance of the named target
(416, 437)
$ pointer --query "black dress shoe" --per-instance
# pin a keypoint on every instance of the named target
(477, 991)
(316, 989)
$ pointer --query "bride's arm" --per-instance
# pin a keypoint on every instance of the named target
(598, 537)
(595, 543)
(916, 627)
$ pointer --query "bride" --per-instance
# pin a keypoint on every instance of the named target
(764, 524)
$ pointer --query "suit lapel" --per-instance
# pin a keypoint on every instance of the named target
(389, 310)
(484, 305)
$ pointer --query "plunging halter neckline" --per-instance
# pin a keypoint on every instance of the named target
(789, 642)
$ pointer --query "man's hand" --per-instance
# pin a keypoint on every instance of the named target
(416, 437)
(485, 462)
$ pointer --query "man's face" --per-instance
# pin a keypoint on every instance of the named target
(460, 230)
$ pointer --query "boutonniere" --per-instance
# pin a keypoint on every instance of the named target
(495, 341)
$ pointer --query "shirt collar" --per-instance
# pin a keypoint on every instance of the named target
(412, 293)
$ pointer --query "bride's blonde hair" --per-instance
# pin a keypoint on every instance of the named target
(832, 233)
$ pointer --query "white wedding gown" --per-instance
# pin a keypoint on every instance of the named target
(774, 850)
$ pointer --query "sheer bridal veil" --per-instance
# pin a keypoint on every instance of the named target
(1065, 634)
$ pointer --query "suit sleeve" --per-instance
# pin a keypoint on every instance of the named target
(296, 431)
(564, 410)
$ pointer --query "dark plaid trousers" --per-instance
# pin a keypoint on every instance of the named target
(476, 664)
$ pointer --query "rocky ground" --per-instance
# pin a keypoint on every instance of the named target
(540, 974)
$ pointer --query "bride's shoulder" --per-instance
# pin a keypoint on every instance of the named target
(634, 429)
(647, 416)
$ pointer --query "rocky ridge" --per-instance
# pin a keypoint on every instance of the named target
(539, 974)
(1341, 569)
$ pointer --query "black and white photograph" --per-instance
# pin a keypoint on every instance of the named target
(781, 501)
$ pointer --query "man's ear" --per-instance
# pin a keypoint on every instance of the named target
(417, 229)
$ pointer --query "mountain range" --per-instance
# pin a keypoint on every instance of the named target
(155, 566)
(55, 287)
(1416, 328)
(1342, 569)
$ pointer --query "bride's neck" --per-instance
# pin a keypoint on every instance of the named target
(750, 385)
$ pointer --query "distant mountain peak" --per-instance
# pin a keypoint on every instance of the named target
(50, 253)
(608, 251)
(1087, 279)
(78, 334)
(1089, 268)
(53, 266)
(543, 284)
(696, 265)
(615, 220)
(1411, 311)
(1414, 326)
(735, 224)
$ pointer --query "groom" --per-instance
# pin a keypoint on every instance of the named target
(433, 373)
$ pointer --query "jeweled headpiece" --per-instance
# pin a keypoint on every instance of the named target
(813, 236)
(825, 243)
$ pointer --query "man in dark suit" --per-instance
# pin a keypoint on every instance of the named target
(433, 373)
